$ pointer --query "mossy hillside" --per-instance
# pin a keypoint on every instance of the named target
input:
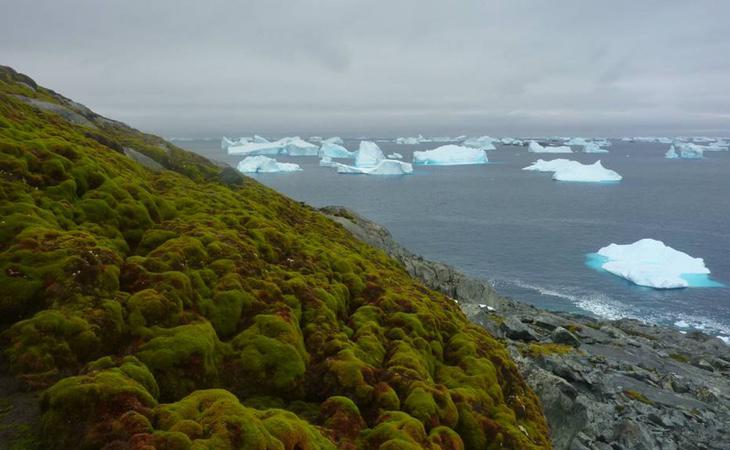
(204, 315)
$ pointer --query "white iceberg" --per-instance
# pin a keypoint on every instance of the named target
(368, 154)
(567, 170)
(254, 149)
(315, 139)
(481, 142)
(326, 161)
(296, 146)
(592, 147)
(412, 140)
(395, 155)
(383, 167)
(334, 140)
(534, 147)
(650, 263)
(263, 164)
(448, 155)
(577, 141)
(511, 141)
(333, 150)
(686, 151)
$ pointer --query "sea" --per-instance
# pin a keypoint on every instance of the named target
(531, 236)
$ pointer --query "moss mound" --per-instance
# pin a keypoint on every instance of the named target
(175, 309)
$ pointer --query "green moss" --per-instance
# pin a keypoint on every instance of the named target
(679, 357)
(538, 350)
(172, 283)
(638, 396)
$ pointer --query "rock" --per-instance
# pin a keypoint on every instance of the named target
(513, 328)
(144, 160)
(630, 435)
(562, 336)
(703, 364)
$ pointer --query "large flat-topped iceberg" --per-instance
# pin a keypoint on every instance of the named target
(534, 147)
(650, 263)
(383, 167)
(683, 150)
(450, 155)
(263, 164)
(368, 154)
(481, 142)
(333, 150)
(255, 148)
(567, 170)
(292, 146)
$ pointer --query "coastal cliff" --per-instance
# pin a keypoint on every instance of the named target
(153, 299)
(603, 384)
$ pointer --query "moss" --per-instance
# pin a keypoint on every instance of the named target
(679, 357)
(164, 284)
(638, 396)
(539, 350)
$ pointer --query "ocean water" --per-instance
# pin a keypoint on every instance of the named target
(531, 236)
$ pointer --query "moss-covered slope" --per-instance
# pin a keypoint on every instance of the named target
(168, 309)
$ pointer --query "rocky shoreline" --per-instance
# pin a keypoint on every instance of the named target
(604, 384)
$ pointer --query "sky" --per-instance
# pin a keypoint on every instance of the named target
(383, 68)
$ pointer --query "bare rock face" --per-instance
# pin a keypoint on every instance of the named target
(603, 385)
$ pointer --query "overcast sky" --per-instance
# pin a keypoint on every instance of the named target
(395, 67)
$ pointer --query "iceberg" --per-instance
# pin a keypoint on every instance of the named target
(395, 155)
(481, 142)
(576, 141)
(258, 139)
(534, 147)
(293, 146)
(368, 154)
(567, 170)
(263, 164)
(511, 141)
(412, 140)
(651, 263)
(592, 147)
(296, 146)
(333, 150)
(686, 151)
(334, 140)
(449, 155)
(326, 161)
(383, 167)
(255, 148)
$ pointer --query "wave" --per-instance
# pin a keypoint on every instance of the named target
(601, 305)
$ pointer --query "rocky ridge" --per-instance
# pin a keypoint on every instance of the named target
(604, 385)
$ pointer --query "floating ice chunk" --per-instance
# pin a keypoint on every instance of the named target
(650, 263)
(225, 142)
(576, 141)
(534, 147)
(686, 151)
(263, 164)
(567, 170)
(481, 142)
(592, 147)
(333, 150)
(258, 139)
(511, 141)
(412, 140)
(296, 146)
(395, 155)
(315, 139)
(383, 167)
(368, 154)
(334, 140)
(448, 155)
(326, 161)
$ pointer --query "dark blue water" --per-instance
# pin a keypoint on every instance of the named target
(530, 235)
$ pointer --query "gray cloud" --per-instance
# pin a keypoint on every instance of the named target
(369, 67)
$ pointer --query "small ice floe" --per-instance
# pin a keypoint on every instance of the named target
(412, 140)
(395, 155)
(683, 150)
(481, 142)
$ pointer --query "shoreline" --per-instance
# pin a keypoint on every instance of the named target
(604, 384)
